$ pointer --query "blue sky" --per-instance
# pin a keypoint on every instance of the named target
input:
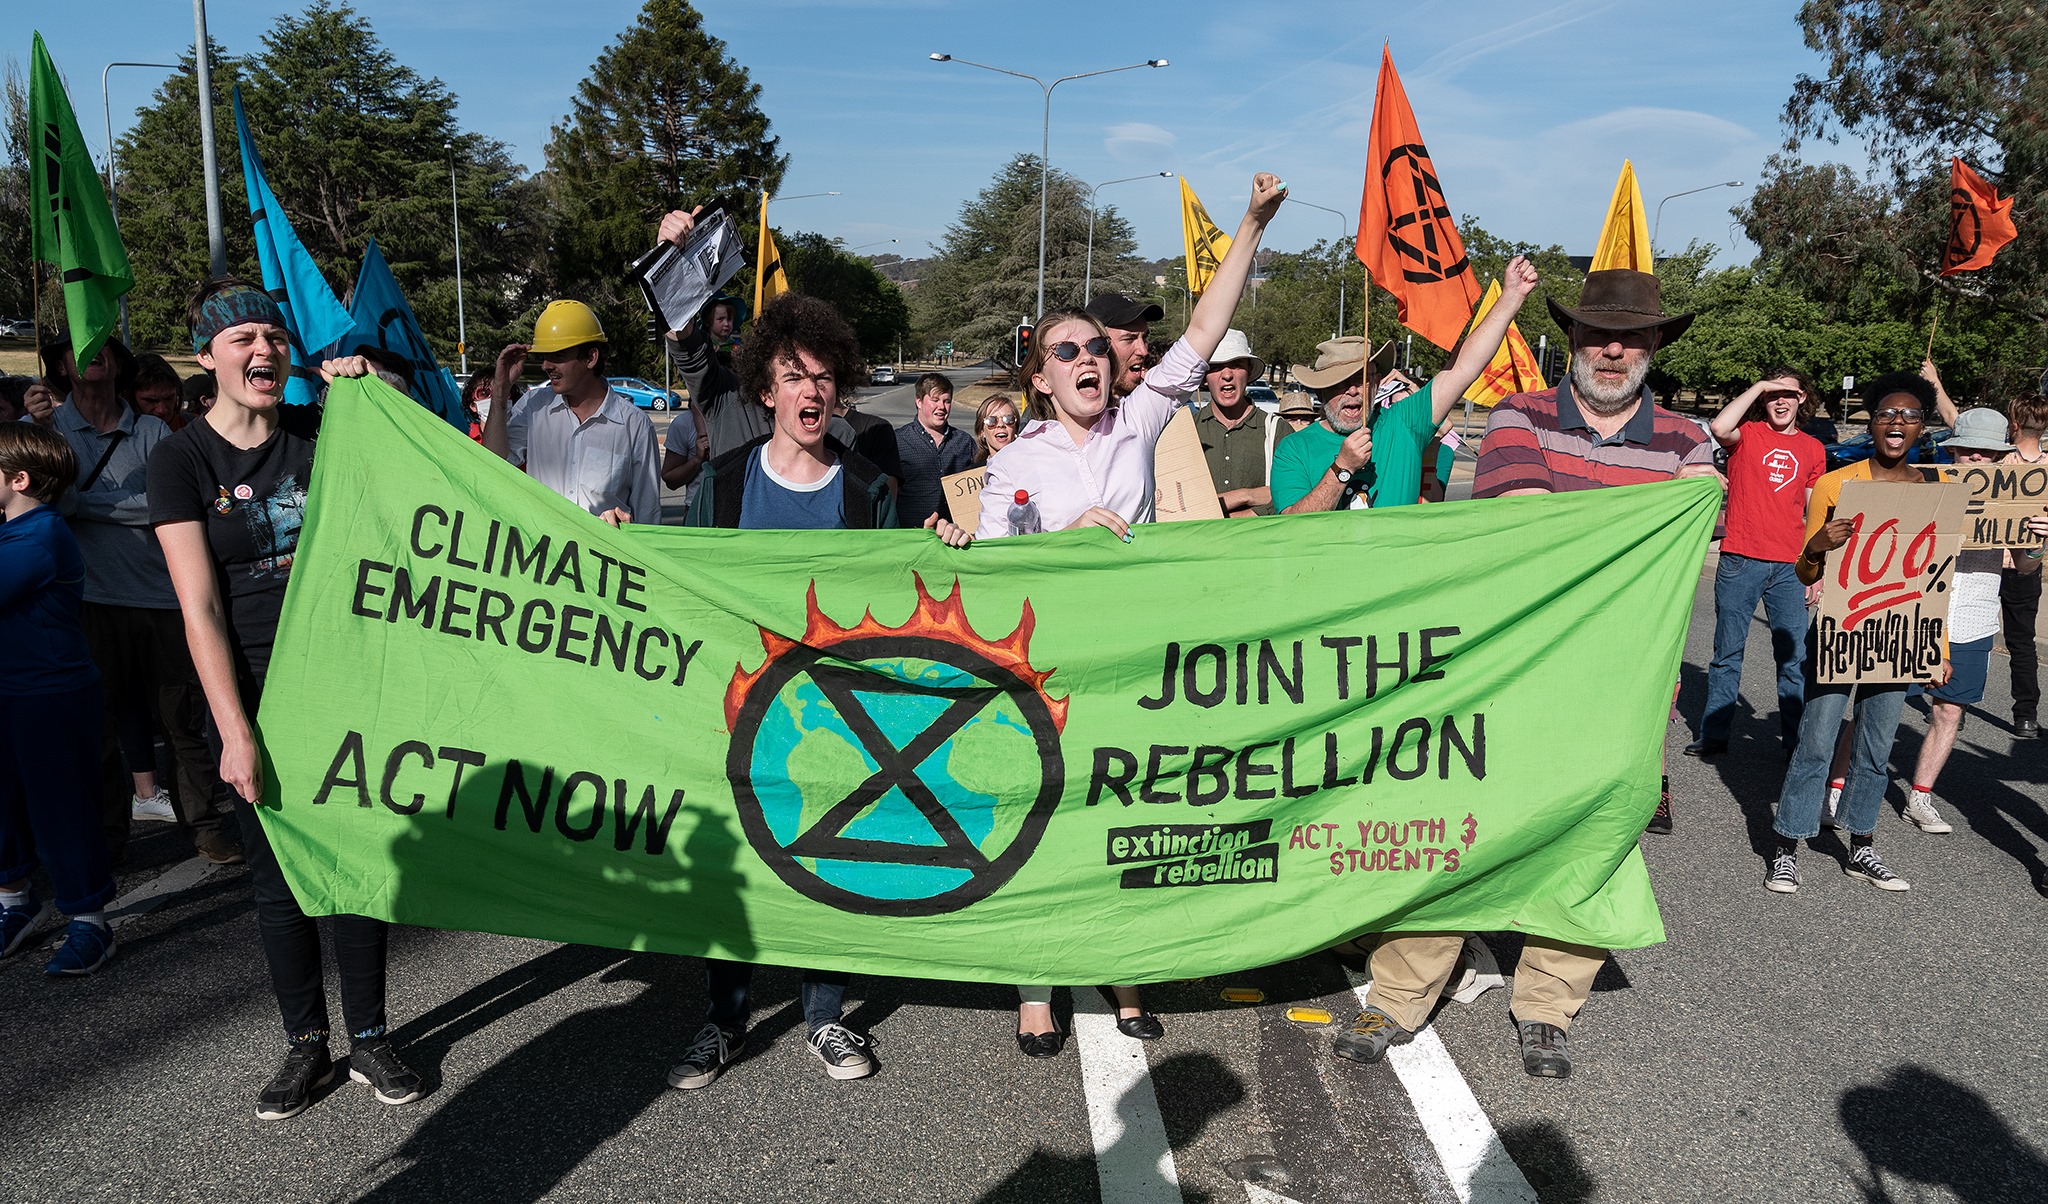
(1528, 107)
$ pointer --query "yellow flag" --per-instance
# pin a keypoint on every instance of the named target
(1206, 245)
(1625, 237)
(1513, 368)
(769, 282)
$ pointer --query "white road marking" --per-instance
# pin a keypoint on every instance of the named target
(1133, 1161)
(1480, 1170)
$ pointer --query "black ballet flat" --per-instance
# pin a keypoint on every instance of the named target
(1144, 1026)
(1042, 1045)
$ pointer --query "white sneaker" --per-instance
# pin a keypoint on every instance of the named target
(1920, 812)
(1828, 809)
(156, 806)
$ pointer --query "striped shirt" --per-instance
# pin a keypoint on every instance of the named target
(1542, 441)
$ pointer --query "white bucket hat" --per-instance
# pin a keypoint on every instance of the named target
(1236, 347)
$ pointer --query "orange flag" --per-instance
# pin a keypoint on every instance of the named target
(1513, 368)
(1978, 222)
(1405, 236)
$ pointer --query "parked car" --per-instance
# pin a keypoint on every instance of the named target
(1927, 451)
(644, 395)
(884, 375)
(17, 328)
(1261, 392)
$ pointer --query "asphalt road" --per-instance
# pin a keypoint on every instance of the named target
(1841, 1044)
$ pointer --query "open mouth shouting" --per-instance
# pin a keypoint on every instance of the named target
(265, 379)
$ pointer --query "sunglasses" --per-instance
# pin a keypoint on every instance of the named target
(1067, 353)
(1003, 421)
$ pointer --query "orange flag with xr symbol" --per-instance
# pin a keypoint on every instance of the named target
(1978, 222)
(1405, 235)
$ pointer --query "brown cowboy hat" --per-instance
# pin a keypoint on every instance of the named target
(1340, 359)
(1619, 299)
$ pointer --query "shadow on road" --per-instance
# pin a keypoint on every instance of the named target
(1927, 1129)
(1045, 1177)
(1550, 1161)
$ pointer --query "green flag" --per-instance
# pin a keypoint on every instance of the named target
(72, 228)
(1050, 759)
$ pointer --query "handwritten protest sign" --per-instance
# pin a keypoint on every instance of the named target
(1182, 486)
(1021, 762)
(2002, 497)
(1884, 605)
(963, 496)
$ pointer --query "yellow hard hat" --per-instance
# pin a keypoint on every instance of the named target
(565, 324)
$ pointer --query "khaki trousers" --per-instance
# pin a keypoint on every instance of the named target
(1409, 970)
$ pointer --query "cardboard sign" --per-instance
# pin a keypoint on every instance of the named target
(1885, 595)
(1182, 488)
(963, 496)
(2002, 497)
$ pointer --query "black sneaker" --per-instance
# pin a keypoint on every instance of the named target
(376, 1063)
(710, 1052)
(1660, 822)
(839, 1048)
(1545, 1053)
(306, 1069)
(1704, 748)
(1783, 876)
(1864, 863)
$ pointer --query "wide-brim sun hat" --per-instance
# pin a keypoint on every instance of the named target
(1620, 299)
(1340, 359)
(1298, 404)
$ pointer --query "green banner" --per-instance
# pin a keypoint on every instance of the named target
(1055, 759)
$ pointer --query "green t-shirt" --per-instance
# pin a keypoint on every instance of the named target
(1399, 435)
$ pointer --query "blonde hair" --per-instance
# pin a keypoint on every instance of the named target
(981, 413)
(1040, 404)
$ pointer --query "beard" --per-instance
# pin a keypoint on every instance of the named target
(1606, 399)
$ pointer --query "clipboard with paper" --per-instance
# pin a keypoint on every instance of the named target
(678, 281)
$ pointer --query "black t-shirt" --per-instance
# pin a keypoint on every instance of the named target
(252, 503)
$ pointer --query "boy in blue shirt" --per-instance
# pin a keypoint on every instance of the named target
(49, 711)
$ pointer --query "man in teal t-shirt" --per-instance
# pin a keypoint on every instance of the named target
(1341, 461)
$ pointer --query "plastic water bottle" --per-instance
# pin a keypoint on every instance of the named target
(1024, 515)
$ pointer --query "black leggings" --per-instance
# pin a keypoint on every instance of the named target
(291, 939)
(291, 945)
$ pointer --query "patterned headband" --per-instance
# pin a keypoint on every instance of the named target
(232, 308)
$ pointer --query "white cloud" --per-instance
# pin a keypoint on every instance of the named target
(1138, 142)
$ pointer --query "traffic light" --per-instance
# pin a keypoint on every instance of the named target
(1022, 343)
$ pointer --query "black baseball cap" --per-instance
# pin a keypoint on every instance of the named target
(1115, 309)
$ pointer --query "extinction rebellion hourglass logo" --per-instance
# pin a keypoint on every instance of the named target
(902, 771)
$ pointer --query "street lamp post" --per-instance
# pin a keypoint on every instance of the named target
(1343, 225)
(114, 197)
(455, 220)
(209, 160)
(1658, 224)
(1045, 138)
(1088, 273)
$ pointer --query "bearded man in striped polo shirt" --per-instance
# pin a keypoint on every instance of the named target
(1601, 427)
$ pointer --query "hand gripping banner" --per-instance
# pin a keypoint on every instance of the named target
(1053, 758)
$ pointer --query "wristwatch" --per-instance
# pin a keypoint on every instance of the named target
(1343, 475)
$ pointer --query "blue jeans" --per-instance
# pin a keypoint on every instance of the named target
(1738, 584)
(1806, 779)
(726, 983)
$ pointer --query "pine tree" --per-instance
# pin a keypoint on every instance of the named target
(664, 120)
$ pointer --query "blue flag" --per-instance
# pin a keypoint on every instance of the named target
(311, 312)
(384, 320)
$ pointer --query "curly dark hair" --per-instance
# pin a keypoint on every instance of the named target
(1807, 408)
(1892, 383)
(793, 323)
